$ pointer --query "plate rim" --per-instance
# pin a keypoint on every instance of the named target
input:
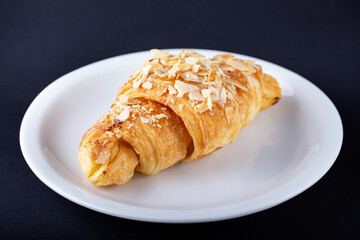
(187, 218)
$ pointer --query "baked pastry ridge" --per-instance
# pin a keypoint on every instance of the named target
(175, 108)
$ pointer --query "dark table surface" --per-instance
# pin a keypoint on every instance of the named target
(43, 40)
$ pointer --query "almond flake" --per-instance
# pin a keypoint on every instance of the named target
(103, 157)
(209, 83)
(155, 66)
(229, 111)
(249, 62)
(136, 83)
(163, 62)
(171, 90)
(224, 56)
(221, 72)
(181, 106)
(184, 67)
(206, 93)
(240, 66)
(184, 87)
(145, 70)
(124, 115)
(218, 80)
(196, 68)
(236, 84)
(132, 101)
(191, 60)
(253, 81)
(190, 76)
(202, 107)
(211, 75)
(147, 85)
(192, 87)
(161, 115)
(123, 98)
(214, 91)
(144, 120)
(174, 69)
(159, 54)
(223, 96)
(209, 103)
(205, 62)
(195, 95)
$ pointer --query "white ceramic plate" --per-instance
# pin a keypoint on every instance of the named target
(285, 150)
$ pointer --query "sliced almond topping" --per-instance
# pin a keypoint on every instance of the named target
(136, 83)
(191, 60)
(193, 87)
(229, 111)
(124, 115)
(175, 68)
(161, 115)
(147, 85)
(181, 106)
(196, 67)
(245, 68)
(132, 101)
(202, 107)
(144, 120)
(209, 103)
(236, 83)
(154, 61)
(249, 62)
(163, 62)
(159, 54)
(223, 96)
(155, 66)
(103, 157)
(195, 95)
(253, 81)
(206, 93)
(209, 83)
(186, 53)
(184, 67)
(145, 70)
(224, 56)
(181, 87)
(184, 87)
(218, 80)
(171, 90)
(173, 61)
(205, 62)
(214, 91)
(221, 72)
(211, 75)
(190, 76)
(235, 64)
(123, 98)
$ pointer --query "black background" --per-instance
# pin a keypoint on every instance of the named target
(43, 40)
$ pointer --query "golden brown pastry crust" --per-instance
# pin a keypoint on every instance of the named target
(176, 108)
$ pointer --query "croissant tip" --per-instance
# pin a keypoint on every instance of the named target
(276, 100)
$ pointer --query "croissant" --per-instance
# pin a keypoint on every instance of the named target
(176, 108)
